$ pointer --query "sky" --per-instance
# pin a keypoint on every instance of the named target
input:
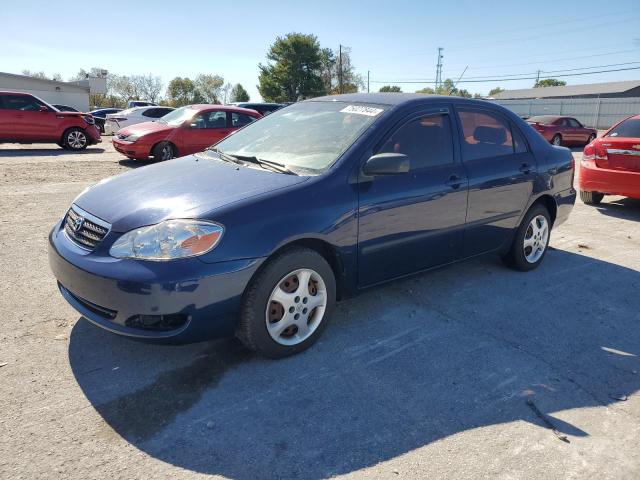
(392, 40)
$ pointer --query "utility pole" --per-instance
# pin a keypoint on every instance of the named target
(537, 77)
(340, 70)
(368, 72)
(439, 68)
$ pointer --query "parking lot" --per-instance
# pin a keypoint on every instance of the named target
(428, 377)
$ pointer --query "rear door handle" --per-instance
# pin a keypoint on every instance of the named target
(454, 182)
(525, 168)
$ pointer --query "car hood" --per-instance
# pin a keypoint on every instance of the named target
(145, 128)
(188, 187)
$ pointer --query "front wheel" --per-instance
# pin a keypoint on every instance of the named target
(75, 139)
(530, 243)
(591, 138)
(591, 198)
(288, 304)
(556, 140)
(163, 151)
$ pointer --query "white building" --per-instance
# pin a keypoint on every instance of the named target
(74, 94)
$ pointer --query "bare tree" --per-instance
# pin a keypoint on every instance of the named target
(149, 86)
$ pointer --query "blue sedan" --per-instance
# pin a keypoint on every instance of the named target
(260, 235)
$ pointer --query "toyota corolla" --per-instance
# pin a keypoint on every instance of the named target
(260, 235)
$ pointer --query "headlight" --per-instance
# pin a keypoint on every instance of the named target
(132, 138)
(168, 240)
(89, 119)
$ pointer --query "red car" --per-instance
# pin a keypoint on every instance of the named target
(27, 119)
(562, 130)
(184, 131)
(611, 164)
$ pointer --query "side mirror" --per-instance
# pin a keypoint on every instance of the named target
(386, 164)
(44, 108)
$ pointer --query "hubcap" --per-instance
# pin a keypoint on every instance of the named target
(535, 239)
(76, 139)
(296, 307)
(167, 152)
(556, 140)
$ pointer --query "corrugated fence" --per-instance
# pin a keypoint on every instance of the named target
(598, 113)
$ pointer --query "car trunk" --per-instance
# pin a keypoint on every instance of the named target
(621, 154)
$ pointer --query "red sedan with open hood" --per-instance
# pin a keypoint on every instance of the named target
(184, 131)
(611, 164)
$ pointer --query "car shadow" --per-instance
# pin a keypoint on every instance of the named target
(400, 367)
(127, 162)
(47, 152)
(623, 208)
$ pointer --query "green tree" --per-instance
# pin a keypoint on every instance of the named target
(293, 69)
(183, 91)
(495, 91)
(391, 88)
(239, 94)
(549, 82)
(427, 90)
(209, 87)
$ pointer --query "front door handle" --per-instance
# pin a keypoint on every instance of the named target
(525, 168)
(454, 182)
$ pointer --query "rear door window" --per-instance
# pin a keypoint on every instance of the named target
(240, 119)
(426, 140)
(485, 134)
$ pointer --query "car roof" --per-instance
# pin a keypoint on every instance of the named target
(395, 99)
(2, 92)
(226, 108)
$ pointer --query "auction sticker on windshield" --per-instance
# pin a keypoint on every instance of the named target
(362, 110)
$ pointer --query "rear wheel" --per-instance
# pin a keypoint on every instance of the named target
(591, 198)
(163, 151)
(591, 138)
(556, 140)
(532, 238)
(75, 139)
(287, 305)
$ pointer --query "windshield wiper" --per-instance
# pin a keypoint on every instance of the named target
(224, 156)
(278, 167)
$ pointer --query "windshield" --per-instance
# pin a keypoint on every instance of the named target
(305, 136)
(178, 116)
(628, 128)
(543, 119)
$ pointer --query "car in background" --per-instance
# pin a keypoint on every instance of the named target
(131, 116)
(611, 164)
(258, 236)
(140, 103)
(25, 118)
(64, 108)
(262, 108)
(100, 114)
(184, 131)
(559, 130)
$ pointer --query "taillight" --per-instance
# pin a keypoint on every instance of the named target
(116, 119)
(601, 157)
(595, 155)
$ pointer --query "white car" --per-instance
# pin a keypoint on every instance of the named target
(115, 121)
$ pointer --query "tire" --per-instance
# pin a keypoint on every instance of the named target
(75, 139)
(277, 295)
(591, 138)
(525, 257)
(163, 151)
(591, 198)
(556, 140)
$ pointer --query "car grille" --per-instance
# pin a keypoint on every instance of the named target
(84, 229)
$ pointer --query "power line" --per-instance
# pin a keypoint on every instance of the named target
(508, 79)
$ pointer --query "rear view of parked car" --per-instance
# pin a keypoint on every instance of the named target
(182, 132)
(562, 130)
(25, 118)
(140, 103)
(100, 115)
(259, 236)
(611, 164)
(131, 116)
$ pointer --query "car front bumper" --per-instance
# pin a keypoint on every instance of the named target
(110, 292)
(93, 132)
(611, 182)
(139, 151)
